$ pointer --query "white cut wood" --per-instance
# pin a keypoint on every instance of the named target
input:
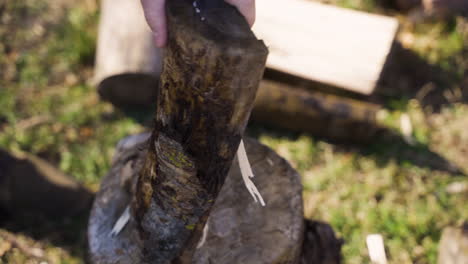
(121, 222)
(375, 245)
(125, 42)
(246, 172)
(327, 44)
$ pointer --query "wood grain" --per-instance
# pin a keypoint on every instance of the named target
(327, 44)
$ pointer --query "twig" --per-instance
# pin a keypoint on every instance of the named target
(5, 246)
(25, 249)
(32, 122)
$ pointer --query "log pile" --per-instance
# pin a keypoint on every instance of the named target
(306, 109)
(187, 198)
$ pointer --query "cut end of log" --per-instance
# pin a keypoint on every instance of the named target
(217, 22)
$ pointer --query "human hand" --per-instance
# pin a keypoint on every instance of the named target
(155, 14)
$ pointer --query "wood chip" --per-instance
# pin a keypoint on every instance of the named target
(5, 246)
(376, 248)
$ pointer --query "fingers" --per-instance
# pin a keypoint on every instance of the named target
(246, 8)
(156, 17)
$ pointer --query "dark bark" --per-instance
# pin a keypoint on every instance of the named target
(212, 67)
(239, 230)
(329, 116)
(320, 244)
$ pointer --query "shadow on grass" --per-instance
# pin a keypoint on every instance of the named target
(407, 75)
(389, 146)
(385, 147)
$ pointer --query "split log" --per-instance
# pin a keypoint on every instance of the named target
(326, 44)
(134, 61)
(239, 230)
(29, 184)
(329, 116)
(212, 68)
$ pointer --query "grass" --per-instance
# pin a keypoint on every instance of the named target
(358, 195)
(49, 108)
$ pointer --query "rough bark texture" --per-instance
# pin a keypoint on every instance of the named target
(212, 67)
(239, 230)
(115, 194)
(314, 112)
(172, 178)
(284, 106)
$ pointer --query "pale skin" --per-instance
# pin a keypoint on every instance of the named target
(156, 17)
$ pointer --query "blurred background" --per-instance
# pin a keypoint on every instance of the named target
(406, 180)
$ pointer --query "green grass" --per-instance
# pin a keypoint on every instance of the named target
(49, 108)
(407, 204)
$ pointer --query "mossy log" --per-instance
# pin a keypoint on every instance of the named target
(212, 67)
(172, 177)
(284, 106)
(239, 230)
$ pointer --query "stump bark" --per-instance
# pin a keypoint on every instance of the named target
(212, 67)
(176, 178)
(239, 230)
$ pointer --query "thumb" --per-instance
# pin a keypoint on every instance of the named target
(155, 15)
(246, 8)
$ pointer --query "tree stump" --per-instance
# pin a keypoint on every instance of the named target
(239, 230)
(180, 177)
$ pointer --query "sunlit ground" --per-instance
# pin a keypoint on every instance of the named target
(49, 107)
